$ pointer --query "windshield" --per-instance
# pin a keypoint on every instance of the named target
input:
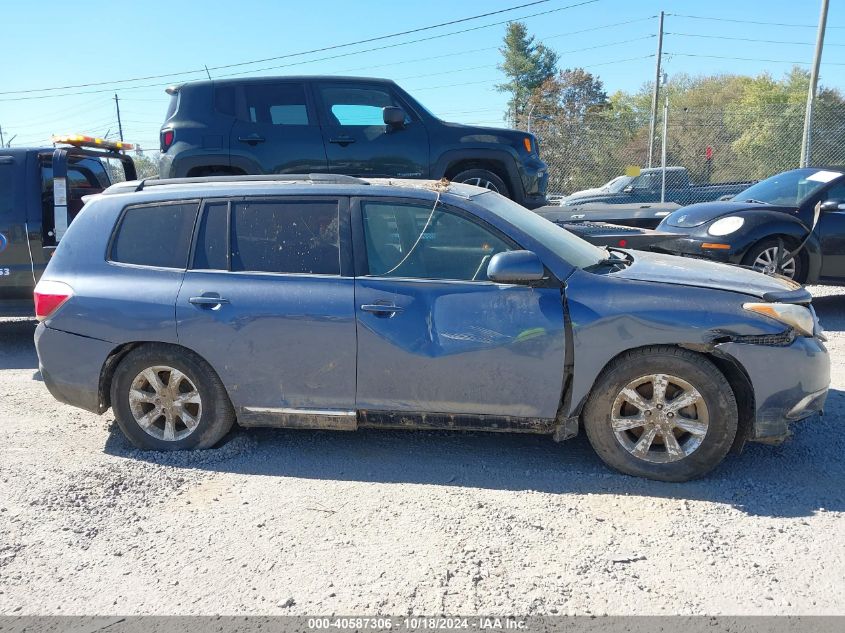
(618, 184)
(790, 188)
(569, 247)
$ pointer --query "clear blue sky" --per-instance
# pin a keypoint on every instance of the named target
(53, 43)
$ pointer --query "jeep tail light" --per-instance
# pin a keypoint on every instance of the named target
(49, 296)
(166, 139)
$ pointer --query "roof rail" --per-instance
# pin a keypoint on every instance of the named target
(321, 179)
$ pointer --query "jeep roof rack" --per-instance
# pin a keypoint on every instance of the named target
(320, 179)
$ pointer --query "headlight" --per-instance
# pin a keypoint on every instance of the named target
(726, 226)
(790, 314)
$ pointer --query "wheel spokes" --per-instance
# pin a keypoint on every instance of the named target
(626, 423)
(683, 400)
(165, 403)
(643, 445)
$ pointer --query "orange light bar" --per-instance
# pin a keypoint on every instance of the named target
(81, 140)
(716, 246)
(527, 143)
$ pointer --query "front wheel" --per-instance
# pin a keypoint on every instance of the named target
(764, 255)
(661, 413)
(167, 398)
(483, 178)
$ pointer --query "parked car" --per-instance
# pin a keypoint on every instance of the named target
(340, 303)
(770, 227)
(613, 185)
(340, 125)
(647, 188)
(32, 219)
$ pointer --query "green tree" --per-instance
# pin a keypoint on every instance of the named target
(526, 64)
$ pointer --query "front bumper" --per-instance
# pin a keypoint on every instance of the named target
(692, 247)
(790, 383)
(534, 174)
(70, 366)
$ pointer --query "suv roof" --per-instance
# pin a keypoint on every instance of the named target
(332, 184)
(248, 80)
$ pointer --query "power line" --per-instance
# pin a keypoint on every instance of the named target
(705, 17)
(254, 70)
(289, 55)
(747, 39)
(752, 59)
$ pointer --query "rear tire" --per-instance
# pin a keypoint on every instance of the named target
(658, 438)
(483, 178)
(167, 398)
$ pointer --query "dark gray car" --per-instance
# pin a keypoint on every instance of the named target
(340, 303)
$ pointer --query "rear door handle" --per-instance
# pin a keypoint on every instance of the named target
(381, 310)
(207, 301)
(342, 140)
(252, 139)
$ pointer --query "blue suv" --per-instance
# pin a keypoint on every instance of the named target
(333, 302)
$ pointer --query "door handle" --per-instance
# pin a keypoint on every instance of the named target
(252, 139)
(207, 301)
(342, 140)
(381, 310)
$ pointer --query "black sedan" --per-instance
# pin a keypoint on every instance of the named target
(771, 226)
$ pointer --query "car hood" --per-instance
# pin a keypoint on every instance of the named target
(702, 273)
(703, 212)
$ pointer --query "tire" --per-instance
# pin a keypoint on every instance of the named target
(483, 178)
(201, 417)
(711, 422)
(765, 250)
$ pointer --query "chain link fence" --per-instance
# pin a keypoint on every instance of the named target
(736, 143)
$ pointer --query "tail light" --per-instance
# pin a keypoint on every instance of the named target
(166, 139)
(49, 296)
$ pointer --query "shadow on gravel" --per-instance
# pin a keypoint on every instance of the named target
(804, 476)
(831, 312)
(17, 350)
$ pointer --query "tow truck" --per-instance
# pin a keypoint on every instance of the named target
(41, 191)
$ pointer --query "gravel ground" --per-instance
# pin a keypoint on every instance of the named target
(302, 522)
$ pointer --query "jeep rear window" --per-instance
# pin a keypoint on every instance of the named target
(276, 103)
(155, 235)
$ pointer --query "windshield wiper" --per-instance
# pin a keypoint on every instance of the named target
(621, 262)
(753, 201)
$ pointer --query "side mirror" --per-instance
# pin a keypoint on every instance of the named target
(515, 267)
(394, 118)
(832, 205)
(628, 189)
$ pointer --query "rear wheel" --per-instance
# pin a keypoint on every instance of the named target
(662, 413)
(763, 257)
(483, 178)
(168, 398)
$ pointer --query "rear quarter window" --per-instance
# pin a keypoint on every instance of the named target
(155, 235)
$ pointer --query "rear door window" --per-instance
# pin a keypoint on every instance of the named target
(155, 235)
(282, 103)
(285, 237)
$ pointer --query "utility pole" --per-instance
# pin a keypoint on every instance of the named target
(655, 95)
(2, 142)
(119, 125)
(663, 149)
(807, 140)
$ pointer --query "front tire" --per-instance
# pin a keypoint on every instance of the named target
(762, 257)
(661, 413)
(167, 398)
(483, 178)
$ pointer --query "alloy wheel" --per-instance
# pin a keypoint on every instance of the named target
(767, 260)
(482, 182)
(659, 418)
(165, 403)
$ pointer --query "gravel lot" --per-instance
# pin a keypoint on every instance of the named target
(302, 522)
